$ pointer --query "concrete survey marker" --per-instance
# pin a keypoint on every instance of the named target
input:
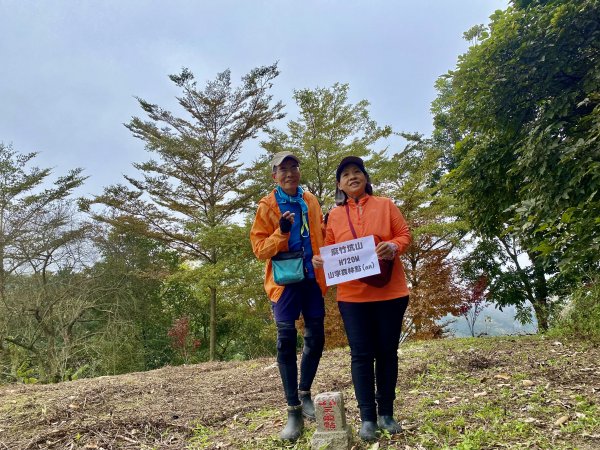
(332, 432)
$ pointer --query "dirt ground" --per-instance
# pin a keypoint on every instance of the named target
(239, 405)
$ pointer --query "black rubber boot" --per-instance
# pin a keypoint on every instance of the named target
(389, 424)
(308, 406)
(368, 431)
(295, 424)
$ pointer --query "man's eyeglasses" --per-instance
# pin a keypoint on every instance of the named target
(291, 169)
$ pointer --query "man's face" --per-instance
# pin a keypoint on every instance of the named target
(287, 176)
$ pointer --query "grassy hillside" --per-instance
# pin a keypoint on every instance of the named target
(510, 393)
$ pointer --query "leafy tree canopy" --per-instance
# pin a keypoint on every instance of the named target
(525, 103)
(328, 128)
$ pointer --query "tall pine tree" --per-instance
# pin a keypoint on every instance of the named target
(189, 196)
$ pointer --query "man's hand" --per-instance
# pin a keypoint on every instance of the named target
(286, 221)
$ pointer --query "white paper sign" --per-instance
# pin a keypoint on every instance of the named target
(350, 260)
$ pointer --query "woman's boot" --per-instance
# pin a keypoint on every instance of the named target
(368, 430)
(389, 424)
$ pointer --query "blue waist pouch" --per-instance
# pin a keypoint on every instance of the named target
(288, 267)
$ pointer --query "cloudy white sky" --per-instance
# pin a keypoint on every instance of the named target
(69, 70)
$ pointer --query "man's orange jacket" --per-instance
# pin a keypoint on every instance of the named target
(268, 240)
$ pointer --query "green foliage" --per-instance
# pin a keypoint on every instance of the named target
(26, 374)
(526, 3)
(189, 196)
(476, 34)
(329, 127)
(245, 328)
(526, 100)
(507, 282)
(72, 374)
(520, 119)
(581, 316)
(44, 300)
(133, 335)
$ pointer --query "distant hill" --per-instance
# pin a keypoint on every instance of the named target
(491, 322)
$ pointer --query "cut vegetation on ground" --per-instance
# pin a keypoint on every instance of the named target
(501, 393)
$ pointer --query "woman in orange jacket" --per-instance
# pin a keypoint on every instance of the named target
(372, 315)
(290, 219)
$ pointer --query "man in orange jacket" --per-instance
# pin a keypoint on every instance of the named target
(290, 219)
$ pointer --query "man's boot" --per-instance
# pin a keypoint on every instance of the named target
(308, 406)
(295, 424)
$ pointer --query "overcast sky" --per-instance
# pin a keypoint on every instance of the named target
(69, 70)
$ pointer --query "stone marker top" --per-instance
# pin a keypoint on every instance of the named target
(332, 432)
(330, 412)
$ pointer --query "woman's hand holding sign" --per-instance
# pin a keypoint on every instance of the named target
(349, 260)
(385, 250)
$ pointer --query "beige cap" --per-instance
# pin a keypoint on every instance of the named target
(279, 157)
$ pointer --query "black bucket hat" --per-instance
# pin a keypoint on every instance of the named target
(340, 196)
(350, 160)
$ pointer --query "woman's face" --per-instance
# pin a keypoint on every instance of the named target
(353, 181)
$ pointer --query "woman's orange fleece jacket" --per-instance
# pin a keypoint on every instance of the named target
(377, 216)
(268, 240)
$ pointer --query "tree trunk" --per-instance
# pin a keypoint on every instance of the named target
(2, 274)
(213, 323)
(540, 304)
(536, 288)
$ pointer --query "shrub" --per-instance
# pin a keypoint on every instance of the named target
(581, 316)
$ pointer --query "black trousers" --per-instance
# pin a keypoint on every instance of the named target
(373, 330)
(314, 340)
